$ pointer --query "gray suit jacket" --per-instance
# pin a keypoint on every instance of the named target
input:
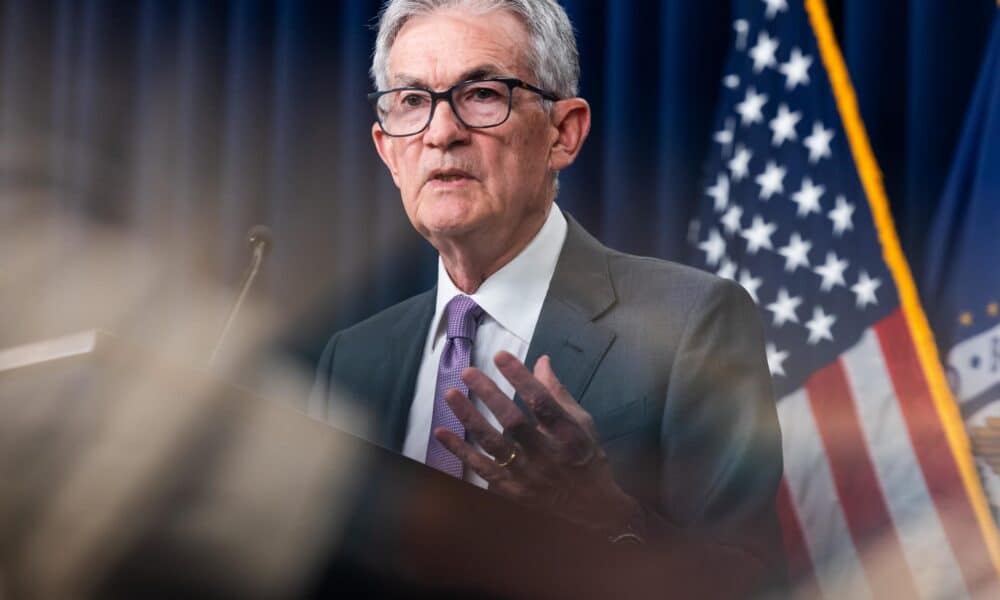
(668, 360)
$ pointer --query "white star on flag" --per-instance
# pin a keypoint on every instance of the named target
(714, 247)
(750, 284)
(739, 164)
(727, 270)
(784, 308)
(808, 197)
(796, 70)
(719, 192)
(770, 181)
(776, 359)
(841, 216)
(832, 272)
(731, 81)
(819, 326)
(774, 7)
(763, 52)
(864, 289)
(796, 253)
(751, 108)
(759, 235)
(725, 137)
(818, 142)
(783, 125)
(731, 220)
(741, 27)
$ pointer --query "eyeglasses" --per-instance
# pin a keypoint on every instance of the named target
(478, 104)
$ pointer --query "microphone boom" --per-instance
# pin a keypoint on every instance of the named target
(260, 240)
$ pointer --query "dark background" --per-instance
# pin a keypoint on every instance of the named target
(199, 118)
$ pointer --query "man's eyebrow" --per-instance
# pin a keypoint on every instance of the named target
(484, 71)
(403, 80)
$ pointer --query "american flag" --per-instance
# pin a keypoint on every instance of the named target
(879, 498)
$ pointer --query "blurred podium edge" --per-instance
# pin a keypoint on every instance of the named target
(43, 351)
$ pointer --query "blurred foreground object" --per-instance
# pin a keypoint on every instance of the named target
(131, 467)
(122, 472)
(880, 496)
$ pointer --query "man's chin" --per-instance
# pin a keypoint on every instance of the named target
(452, 215)
(457, 229)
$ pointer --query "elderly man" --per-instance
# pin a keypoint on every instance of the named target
(647, 410)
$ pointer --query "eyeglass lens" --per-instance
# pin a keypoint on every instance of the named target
(479, 104)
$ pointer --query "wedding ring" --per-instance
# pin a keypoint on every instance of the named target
(513, 455)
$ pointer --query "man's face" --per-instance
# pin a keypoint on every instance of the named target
(458, 183)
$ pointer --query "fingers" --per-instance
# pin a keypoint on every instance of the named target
(476, 424)
(572, 408)
(529, 459)
(491, 440)
(483, 466)
(500, 479)
(557, 411)
(533, 391)
(511, 418)
(545, 374)
(506, 412)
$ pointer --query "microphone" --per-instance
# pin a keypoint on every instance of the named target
(260, 240)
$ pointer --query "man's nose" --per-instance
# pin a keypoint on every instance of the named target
(445, 128)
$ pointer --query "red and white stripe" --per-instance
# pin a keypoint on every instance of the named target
(873, 504)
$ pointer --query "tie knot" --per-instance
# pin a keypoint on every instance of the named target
(463, 316)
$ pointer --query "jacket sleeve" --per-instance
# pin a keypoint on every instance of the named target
(319, 406)
(721, 461)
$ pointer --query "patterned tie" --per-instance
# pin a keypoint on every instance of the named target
(463, 316)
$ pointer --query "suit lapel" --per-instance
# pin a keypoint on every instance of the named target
(580, 291)
(401, 367)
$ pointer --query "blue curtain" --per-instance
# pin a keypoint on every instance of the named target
(203, 118)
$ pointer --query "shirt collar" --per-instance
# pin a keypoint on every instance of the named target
(513, 296)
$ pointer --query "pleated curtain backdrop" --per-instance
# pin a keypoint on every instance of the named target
(202, 118)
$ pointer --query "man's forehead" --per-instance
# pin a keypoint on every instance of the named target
(482, 71)
(448, 46)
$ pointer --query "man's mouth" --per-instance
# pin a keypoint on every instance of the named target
(449, 175)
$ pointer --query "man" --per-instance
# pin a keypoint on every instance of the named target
(647, 410)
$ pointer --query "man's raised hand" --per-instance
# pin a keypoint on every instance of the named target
(553, 461)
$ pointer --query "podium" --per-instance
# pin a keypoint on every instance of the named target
(125, 474)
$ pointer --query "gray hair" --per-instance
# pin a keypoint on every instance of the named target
(552, 54)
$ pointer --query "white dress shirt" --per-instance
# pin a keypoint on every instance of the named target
(512, 300)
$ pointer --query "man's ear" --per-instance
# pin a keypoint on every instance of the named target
(382, 146)
(571, 119)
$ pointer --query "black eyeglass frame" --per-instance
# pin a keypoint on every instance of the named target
(511, 82)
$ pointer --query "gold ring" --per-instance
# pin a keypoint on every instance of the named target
(513, 455)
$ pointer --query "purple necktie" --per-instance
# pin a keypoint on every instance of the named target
(463, 316)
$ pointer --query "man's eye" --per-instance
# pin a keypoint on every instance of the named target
(412, 100)
(484, 94)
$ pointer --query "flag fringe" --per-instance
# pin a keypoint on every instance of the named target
(916, 320)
